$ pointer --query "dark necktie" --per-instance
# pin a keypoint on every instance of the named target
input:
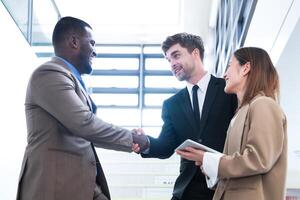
(196, 105)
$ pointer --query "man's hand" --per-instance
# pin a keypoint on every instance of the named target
(140, 140)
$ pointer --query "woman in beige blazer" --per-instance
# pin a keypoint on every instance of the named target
(254, 161)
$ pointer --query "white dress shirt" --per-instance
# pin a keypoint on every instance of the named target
(203, 85)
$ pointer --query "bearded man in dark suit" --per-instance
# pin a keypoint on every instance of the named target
(201, 112)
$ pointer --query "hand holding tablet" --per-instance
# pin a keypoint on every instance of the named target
(191, 143)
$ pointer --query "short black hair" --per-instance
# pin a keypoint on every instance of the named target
(185, 40)
(66, 25)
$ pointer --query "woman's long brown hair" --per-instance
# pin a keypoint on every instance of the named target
(262, 76)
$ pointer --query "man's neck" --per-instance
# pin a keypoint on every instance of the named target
(194, 80)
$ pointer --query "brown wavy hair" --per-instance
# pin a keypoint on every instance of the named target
(186, 40)
(262, 76)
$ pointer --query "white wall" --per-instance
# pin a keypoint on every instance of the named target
(272, 24)
(275, 27)
(17, 62)
(289, 70)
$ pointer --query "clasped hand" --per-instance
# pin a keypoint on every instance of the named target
(140, 140)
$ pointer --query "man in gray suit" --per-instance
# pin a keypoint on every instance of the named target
(60, 161)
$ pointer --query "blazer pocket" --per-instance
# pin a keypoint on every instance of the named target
(243, 194)
(248, 183)
(248, 188)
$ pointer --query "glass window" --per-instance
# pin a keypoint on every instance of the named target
(152, 117)
(163, 82)
(43, 49)
(157, 64)
(118, 49)
(116, 63)
(19, 11)
(44, 19)
(153, 49)
(153, 131)
(115, 99)
(156, 99)
(112, 81)
(125, 117)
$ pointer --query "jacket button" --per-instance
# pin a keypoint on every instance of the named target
(199, 140)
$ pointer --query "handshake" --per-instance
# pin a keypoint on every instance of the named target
(140, 141)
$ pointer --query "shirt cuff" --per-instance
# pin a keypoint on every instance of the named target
(210, 167)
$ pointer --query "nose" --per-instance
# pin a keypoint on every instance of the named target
(94, 54)
(173, 64)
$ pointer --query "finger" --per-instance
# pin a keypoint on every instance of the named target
(191, 149)
(198, 163)
(181, 152)
(135, 148)
(184, 154)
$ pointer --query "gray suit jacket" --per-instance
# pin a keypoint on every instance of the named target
(59, 162)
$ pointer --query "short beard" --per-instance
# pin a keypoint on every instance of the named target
(87, 69)
(181, 77)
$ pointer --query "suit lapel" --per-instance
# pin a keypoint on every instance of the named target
(67, 70)
(85, 94)
(185, 103)
(236, 130)
(211, 92)
(88, 99)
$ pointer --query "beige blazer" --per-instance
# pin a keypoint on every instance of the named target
(59, 162)
(256, 148)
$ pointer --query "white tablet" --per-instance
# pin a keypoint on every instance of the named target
(196, 145)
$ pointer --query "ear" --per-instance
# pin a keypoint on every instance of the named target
(196, 53)
(73, 42)
(246, 68)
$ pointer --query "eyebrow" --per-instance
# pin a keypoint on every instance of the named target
(174, 52)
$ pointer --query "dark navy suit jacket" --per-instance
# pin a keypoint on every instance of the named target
(179, 125)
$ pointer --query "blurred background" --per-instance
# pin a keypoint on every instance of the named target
(131, 78)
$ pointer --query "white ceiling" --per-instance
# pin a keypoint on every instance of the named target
(131, 21)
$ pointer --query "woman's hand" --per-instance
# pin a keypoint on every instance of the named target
(193, 154)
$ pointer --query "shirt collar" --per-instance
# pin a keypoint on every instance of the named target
(71, 68)
(202, 83)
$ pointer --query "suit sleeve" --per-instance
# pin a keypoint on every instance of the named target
(163, 146)
(54, 91)
(264, 142)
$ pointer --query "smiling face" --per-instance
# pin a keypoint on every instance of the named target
(236, 77)
(182, 62)
(86, 51)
